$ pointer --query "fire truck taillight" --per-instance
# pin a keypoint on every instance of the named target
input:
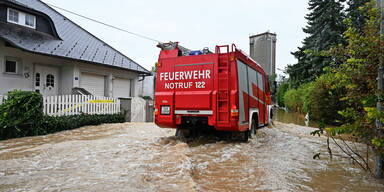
(156, 111)
(158, 64)
(234, 111)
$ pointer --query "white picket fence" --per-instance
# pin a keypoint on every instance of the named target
(62, 105)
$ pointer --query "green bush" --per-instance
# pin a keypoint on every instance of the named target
(280, 94)
(305, 91)
(299, 99)
(21, 115)
(292, 99)
(322, 99)
(326, 100)
(53, 124)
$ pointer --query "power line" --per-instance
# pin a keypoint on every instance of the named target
(102, 23)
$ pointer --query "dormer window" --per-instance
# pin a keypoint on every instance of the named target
(30, 20)
(21, 18)
(13, 16)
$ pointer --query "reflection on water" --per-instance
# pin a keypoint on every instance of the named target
(292, 117)
(143, 157)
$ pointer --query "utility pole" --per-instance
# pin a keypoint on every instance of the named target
(379, 159)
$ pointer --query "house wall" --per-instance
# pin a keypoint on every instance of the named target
(24, 80)
(67, 78)
(69, 72)
(109, 74)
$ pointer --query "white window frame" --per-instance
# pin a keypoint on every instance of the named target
(22, 18)
(34, 21)
(16, 67)
(18, 16)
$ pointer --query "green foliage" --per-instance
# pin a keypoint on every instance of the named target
(299, 99)
(53, 124)
(355, 13)
(292, 99)
(280, 94)
(356, 77)
(325, 100)
(154, 68)
(325, 28)
(305, 91)
(20, 114)
(146, 97)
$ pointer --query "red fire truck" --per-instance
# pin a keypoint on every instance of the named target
(225, 90)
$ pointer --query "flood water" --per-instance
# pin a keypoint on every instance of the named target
(292, 117)
(143, 157)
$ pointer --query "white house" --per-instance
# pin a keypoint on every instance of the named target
(41, 50)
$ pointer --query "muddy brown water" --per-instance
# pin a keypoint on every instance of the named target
(292, 117)
(143, 157)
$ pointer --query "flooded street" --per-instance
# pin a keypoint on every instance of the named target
(292, 117)
(143, 157)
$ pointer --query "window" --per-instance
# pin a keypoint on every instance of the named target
(50, 80)
(37, 83)
(13, 16)
(260, 81)
(30, 20)
(21, 18)
(10, 66)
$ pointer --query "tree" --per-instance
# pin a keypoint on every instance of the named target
(355, 13)
(325, 28)
(284, 87)
(154, 68)
(356, 77)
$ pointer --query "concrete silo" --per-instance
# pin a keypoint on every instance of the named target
(263, 50)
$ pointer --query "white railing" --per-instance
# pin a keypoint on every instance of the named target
(62, 105)
(2, 98)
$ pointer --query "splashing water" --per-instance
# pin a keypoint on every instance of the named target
(143, 157)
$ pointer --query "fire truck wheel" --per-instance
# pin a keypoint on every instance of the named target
(182, 133)
(245, 135)
(177, 134)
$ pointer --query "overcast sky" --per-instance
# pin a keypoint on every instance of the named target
(195, 24)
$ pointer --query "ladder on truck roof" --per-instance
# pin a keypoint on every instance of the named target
(223, 102)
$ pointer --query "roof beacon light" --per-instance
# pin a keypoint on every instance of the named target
(198, 52)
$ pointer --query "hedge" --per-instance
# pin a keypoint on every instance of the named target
(22, 115)
(52, 124)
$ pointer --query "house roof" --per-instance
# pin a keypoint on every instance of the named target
(75, 42)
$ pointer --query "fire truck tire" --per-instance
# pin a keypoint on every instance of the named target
(183, 133)
(177, 134)
(245, 135)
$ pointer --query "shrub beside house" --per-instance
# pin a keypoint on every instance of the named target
(21, 114)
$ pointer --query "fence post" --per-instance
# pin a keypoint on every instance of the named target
(55, 106)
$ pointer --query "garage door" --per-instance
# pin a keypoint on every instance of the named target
(92, 83)
(121, 88)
